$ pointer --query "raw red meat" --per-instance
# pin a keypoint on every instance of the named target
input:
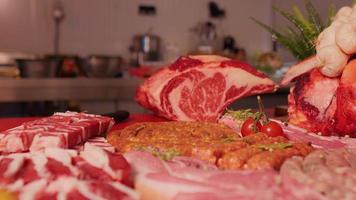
(199, 88)
(321, 171)
(312, 102)
(56, 173)
(157, 179)
(98, 142)
(63, 130)
(296, 133)
(345, 116)
(322, 104)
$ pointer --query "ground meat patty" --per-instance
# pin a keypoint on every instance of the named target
(182, 136)
(212, 142)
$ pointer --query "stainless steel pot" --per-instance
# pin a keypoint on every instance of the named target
(32, 68)
(149, 45)
(103, 65)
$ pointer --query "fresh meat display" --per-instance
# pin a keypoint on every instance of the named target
(55, 173)
(199, 88)
(157, 179)
(295, 133)
(64, 130)
(330, 172)
(323, 104)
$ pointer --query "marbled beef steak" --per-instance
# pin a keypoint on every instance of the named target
(199, 88)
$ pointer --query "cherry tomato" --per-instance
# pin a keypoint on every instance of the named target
(248, 127)
(272, 129)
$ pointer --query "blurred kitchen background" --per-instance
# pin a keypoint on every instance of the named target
(90, 55)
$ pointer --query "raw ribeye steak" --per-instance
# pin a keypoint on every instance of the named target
(199, 88)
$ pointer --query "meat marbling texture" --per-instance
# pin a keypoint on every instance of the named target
(326, 105)
(199, 88)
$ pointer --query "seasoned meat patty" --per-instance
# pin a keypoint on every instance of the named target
(212, 142)
(181, 136)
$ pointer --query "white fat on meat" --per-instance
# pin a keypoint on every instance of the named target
(39, 161)
(233, 77)
(209, 58)
(98, 157)
(30, 191)
(64, 185)
(128, 191)
(163, 186)
(15, 164)
(100, 142)
(63, 156)
(328, 88)
(53, 139)
(299, 69)
(155, 86)
(12, 143)
(15, 186)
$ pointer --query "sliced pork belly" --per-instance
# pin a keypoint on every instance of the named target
(97, 163)
(199, 88)
(72, 188)
(55, 173)
(100, 142)
(64, 130)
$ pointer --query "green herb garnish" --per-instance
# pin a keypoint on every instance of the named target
(275, 146)
(169, 154)
(166, 155)
(228, 139)
(300, 40)
(242, 115)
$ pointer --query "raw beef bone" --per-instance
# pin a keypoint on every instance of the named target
(199, 88)
(322, 104)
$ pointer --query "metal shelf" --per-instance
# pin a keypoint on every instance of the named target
(22, 90)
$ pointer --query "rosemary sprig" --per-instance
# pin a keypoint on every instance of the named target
(242, 115)
(228, 139)
(300, 40)
(167, 154)
(275, 146)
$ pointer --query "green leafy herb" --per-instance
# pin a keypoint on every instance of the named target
(228, 139)
(166, 154)
(275, 146)
(242, 115)
(331, 14)
(300, 40)
(169, 154)
(266, 69)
